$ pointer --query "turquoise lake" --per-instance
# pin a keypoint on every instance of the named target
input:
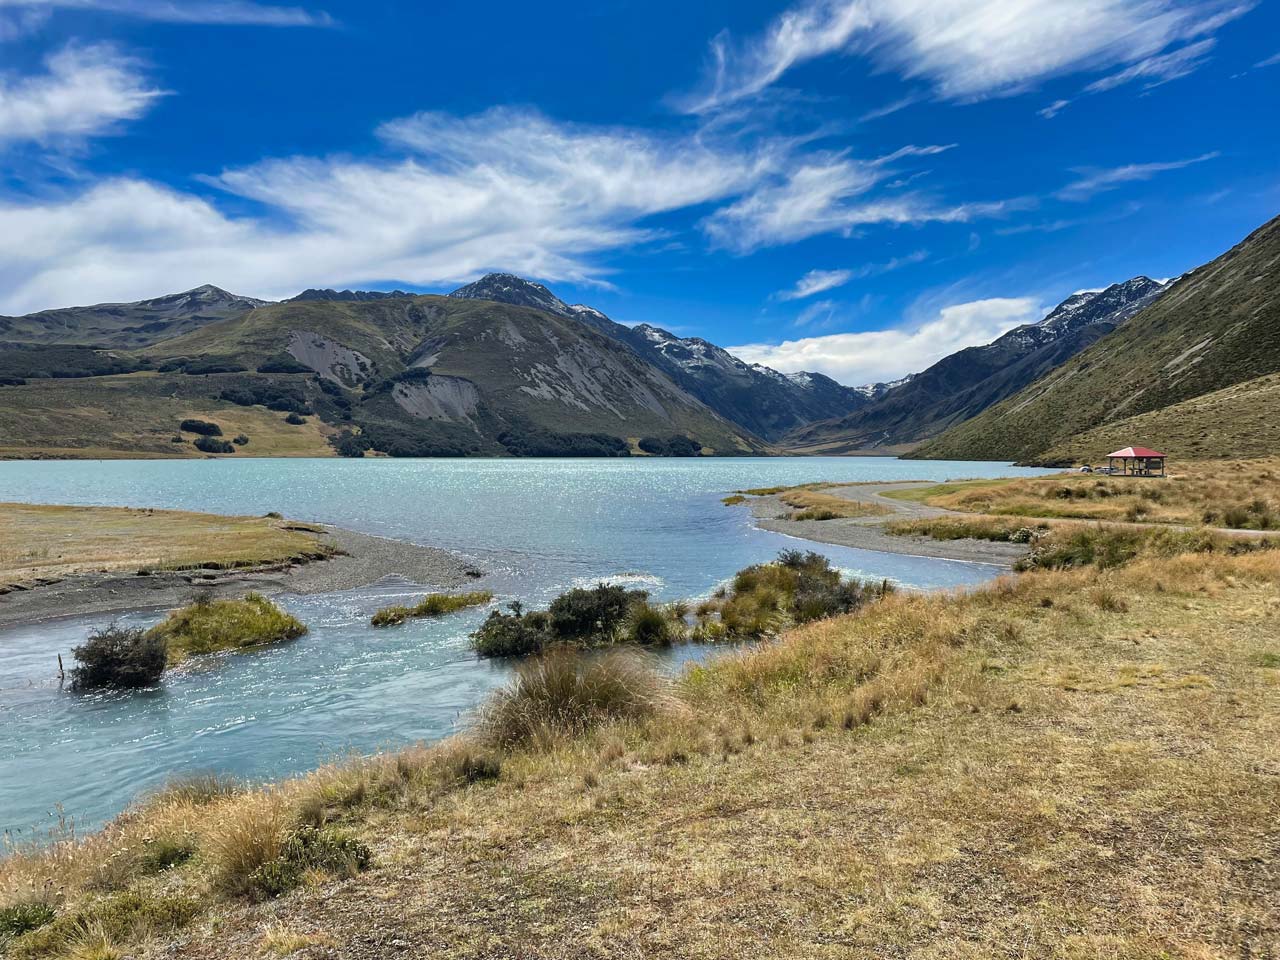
(537, 526)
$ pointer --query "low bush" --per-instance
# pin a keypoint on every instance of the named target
(295, 420)
(22, 918)
(798, 587)
(649, 626)
(514, 634)
(432, 605)
(209, 626)
(240, 440)
(304, 849)
(674, 446)
(281, 397)
(592, 616)
(118, 657)
(350, 444)
(282, 363)
(214, 445)
(122, 918)
(564, 693)
(202, 427)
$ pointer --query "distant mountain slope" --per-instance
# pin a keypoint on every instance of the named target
(436, 375)
(1241, 420)
(964, 384)
(127, 325)
(759, 399)
(357, 296)
(1217, 326)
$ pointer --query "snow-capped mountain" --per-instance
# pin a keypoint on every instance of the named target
(964, 384)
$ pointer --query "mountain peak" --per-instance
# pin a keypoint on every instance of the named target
(508, 288)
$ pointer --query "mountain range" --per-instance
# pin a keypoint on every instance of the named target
(503, 366)
(964, 384)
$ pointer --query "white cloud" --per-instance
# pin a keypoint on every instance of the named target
(965, 49)
(1053, 109)
(1270, 61)
(183, 11)
(815, 282)
(85, 91)
(1155, 71)
(883, 355)
(1093, 182)
(502, 190)
(819, 313)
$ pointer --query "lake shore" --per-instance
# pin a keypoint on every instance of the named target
(870, 533)
(345, 560)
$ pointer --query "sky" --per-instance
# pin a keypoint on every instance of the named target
(857, 187)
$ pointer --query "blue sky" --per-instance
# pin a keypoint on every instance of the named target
(852, 186)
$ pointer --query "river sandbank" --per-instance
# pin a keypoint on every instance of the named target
(870, 533)
(356, 560)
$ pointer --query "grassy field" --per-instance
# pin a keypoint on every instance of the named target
(1240, 494)
(1069, 764)
(56, 541)
(137, 415)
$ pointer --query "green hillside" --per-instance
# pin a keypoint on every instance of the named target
(1242, 420)
(407, 376)
(1216, 327)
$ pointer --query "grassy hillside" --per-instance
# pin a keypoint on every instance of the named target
(1074, 763)
(139, 415)
(408, 376)
(1240, 420)
(1216, 327)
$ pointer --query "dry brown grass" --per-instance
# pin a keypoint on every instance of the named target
(1059, 765)
(57, 541)
(1208, 492)
(814, 501)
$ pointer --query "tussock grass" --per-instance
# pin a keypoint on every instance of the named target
(432, 605)
(1007, 765)
(968, 528)
(811, 501)
(211, 626)
(564, 693)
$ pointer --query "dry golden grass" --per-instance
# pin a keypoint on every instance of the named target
(812, 501)
(1205, 492)
(1065, 764)
(56, 541)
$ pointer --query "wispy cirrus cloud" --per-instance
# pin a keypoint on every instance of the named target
(1270, 61)
(883, 355)
(504, 189)
(180, 11)
(815, 282)
(963, 49)
(1094, 181)
(85, 91)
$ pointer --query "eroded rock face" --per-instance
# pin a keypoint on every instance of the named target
(332, 360)
(438, 398)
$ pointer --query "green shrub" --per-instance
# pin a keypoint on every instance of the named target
(565, 692)
(125, 917)
(120, 657)
(432, 605)
(214, 445)
(240, 440)
(650, 626)
(295, 419)
(208, 626)
(202, 427)
(594, 615)
(309, 848)
(514, 634)
(23, 918)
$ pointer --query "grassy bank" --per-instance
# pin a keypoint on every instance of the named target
(39, 541)
(1071, 763)
(432, 605)
(1237, 494)
(813, 501)
(215, 626)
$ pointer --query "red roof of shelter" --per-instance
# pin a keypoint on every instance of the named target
(1129, 453)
